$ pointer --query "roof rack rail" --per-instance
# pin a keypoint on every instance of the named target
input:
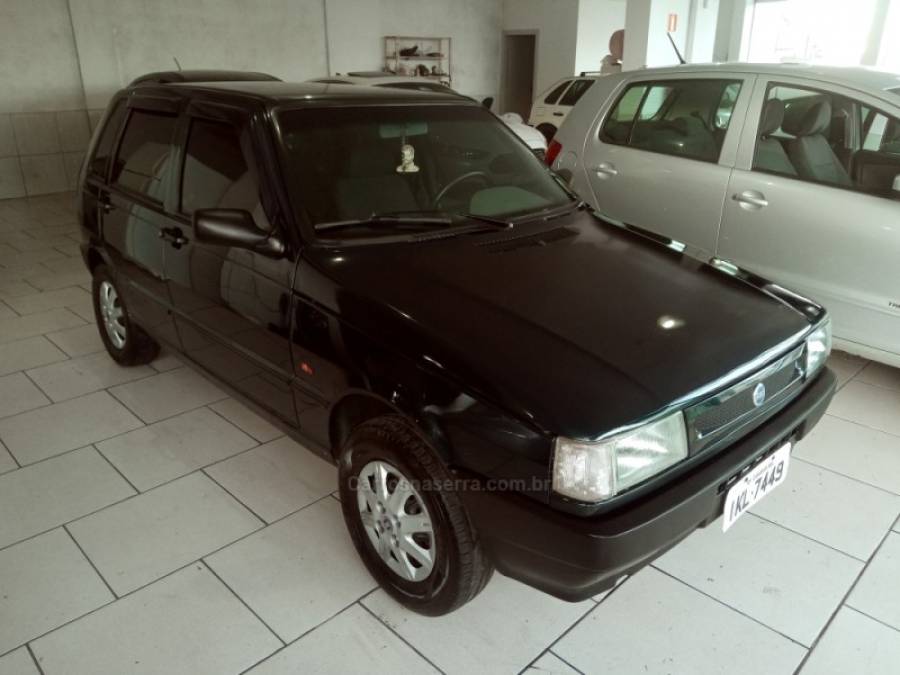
(170, 76)
(585, 73)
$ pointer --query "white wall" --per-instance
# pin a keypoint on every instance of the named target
(646, 44)
(356, 30)
(597, 21)
(556, 23)
(703, 32)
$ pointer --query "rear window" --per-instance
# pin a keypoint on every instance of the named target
(102, 151)
(144, 160)
(576, 91)
(554, 95)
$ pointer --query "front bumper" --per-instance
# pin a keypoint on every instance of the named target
(574, 557)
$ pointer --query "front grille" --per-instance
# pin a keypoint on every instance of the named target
(732, 409)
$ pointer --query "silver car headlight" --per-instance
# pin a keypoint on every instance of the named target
(594, 471)
(818, 347)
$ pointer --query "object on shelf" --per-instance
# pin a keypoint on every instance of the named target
(421, 70)
(435, 55)
(409, 51)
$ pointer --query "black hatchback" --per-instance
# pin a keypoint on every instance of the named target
(504, 379)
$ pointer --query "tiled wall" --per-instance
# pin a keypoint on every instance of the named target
(41, 153)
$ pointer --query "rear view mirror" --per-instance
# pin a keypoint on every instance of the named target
(235, 227)
(403, 130)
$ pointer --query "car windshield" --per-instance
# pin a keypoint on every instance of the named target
(368, 168)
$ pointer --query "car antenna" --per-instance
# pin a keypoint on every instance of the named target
(175, 59)
(675, 47)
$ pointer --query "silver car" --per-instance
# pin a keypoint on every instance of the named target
(790, 171)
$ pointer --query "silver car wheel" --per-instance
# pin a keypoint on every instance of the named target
(396, 521)
(112, 314)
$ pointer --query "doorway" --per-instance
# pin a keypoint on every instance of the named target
(517, 89)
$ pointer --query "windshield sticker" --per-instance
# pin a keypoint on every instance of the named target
(407, 159)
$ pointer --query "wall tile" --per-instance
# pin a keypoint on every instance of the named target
(43, 174)
(72, 162)
(74, 132)
(7, 137)
(94, 116)
(11, 183)
(36, 133)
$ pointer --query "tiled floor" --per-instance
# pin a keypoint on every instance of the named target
(149, 523)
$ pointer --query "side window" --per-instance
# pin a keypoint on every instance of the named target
(683, 118)
(216, 171)
(575, 92)
(554, 95)
(102, 151)
(823, 137)
(144, 160)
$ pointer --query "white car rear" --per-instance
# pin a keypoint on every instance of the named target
(549, 109)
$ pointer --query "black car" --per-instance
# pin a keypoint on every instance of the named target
(504, 379)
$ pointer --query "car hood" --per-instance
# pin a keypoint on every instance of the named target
(577, 325)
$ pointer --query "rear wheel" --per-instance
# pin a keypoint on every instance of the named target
(415, 539)
(125, 342)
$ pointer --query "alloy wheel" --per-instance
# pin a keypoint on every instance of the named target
(113, 314)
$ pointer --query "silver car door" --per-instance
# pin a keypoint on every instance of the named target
(832, 231)
(659, 154)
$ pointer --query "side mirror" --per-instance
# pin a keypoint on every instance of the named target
(235, 227)
(488, 102)
(896, 186)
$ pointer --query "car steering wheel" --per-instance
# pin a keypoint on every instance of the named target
(471, 175)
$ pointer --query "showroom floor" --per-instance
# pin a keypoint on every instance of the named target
(150, 523)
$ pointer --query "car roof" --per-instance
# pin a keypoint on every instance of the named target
(856, 77)
(274, 92)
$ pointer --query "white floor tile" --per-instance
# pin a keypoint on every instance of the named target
(142, 539)
(328, 649)
(78, 341)
(167, 394)
(855, 644)
(840, 512)
(655, 624)
(166, 361)
(52, 281)
(878, 591)
(186, 623)
(298, 572)
(18, 662)
(28, 353)
(36, 324)
(246, 419)
(7, 463)
(777, 577)
(44, 495)
(872, 406)
(68, 379)
(501, 631)
(56, 428)
(854, 450)
(174, 447)
(276, 478)
(880, 375)
(551, 664)
(18, 394)
(41, 302)
(45, 582)
(845, 366)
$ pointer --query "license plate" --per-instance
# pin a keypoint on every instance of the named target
(762, 479)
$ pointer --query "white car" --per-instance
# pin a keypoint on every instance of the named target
(789, 171)
(532, 138)
(550, 108)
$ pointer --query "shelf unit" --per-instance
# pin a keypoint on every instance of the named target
(439, 67)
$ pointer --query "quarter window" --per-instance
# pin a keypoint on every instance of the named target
(102, 151)
(575, 92)
(144, 161)
(554, 95)
(685, 118)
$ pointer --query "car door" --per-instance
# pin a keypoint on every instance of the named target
(133, 210)
(232, 305)
(659, 155)
(821, 216)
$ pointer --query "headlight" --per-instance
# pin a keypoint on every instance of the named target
(818, 347)
(592, 472)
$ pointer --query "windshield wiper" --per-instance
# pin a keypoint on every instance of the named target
(384, 219)
(498, 222)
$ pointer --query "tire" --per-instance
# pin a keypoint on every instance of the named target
(125, 342)
(459, 568)
(548, 130)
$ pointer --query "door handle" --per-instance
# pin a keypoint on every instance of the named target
(604, 169)
(104, 203)
(174, 235)
(752, 200)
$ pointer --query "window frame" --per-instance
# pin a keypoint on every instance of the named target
(104, 126)
(577, 80)
(134, 107)
(563, 87)
(857, 98)
(743, 79)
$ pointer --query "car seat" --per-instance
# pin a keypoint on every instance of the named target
(810, 152)
(770, 154)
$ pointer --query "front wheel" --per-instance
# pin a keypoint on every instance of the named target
(410, 529)
(125, 342)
